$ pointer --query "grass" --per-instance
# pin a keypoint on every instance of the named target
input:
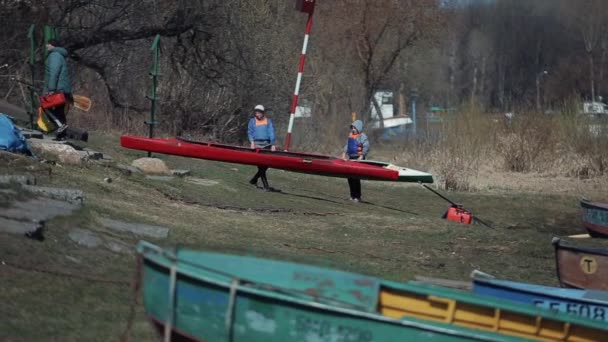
(396, 234)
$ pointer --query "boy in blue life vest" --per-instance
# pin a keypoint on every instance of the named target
(357, 147)
(261, 135)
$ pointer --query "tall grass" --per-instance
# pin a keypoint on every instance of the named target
(561, 144)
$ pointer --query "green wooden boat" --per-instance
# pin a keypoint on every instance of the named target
(199, 296)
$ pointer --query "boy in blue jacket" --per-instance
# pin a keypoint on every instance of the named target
(356, 148)
(261, 135)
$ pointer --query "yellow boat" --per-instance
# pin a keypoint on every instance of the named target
(486, 313)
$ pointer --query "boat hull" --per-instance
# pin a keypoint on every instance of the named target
(582, 268)
(584, 303)
(221, 297)
(289, 161)
(595, 218)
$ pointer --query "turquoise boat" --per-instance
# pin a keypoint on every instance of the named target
(199, 296)
(591, 304)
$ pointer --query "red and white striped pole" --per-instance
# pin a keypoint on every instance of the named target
(306, 6)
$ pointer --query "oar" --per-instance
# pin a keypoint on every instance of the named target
(454, 204)
(82, 102)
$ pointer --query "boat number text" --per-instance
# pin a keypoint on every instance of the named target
(588, 264)
(323, 328)
(583, 310)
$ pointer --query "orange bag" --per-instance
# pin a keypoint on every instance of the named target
(52, 100)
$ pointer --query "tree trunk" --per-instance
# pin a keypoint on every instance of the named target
(601, 76)
(538, 109)
(591, 76)
(474, 90)
(379, 111)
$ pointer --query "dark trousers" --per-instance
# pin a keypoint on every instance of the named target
(60, 112)
(354, 185)
(261, 173)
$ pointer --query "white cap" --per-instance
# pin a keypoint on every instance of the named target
(259, 108)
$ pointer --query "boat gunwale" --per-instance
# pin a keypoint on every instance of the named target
(436, 327)
(485, 301)
(561, 244)
(587, 204)
(485, 281)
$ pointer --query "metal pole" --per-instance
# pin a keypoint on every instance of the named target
(294, 101)
(32, 61)
(414, 95)
(153, 95)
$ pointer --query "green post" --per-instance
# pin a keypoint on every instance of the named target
(32, 107)
(49, 33)
(153, 95)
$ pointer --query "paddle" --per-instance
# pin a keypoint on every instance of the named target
(475, 218)
(82, 102)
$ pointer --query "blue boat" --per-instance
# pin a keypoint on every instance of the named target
(591, 304)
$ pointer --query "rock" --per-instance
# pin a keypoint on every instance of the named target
(69, 195)
(200, 181)
(21, 179)
(136, 228)
(234, 169)
(127, 170)
(160, 178)
(40, 209)
(180, 173)
(18, 227)
(72, 259)
(92, 155)
(119, 247)
(64, 152)
(85, 238)
(151, 165)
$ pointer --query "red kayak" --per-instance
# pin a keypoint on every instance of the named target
(290, 161)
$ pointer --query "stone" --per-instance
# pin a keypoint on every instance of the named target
(119, 247)
(21, 179)
(64, 153)
(136, 228)
(85, 238)
(39, 209)
(92, 155)
(18, 227)
(127, 170)
(69, 195)
(202, 182)
(151, 165)
(180, 173)
(31, 134)
(160, 178)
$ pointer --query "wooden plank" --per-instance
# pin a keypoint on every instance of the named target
(579, 236)
(453, 284)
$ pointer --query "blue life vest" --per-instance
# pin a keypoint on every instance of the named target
(354, 148)
(11, 139)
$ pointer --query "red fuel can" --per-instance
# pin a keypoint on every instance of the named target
(306, 6)
(457, 213)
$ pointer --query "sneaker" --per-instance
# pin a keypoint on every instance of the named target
(356, 200)
(253, 182)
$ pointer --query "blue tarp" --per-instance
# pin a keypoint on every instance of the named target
(11, 139)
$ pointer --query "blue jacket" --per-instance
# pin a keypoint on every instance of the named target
(57, 74)
(261, 132)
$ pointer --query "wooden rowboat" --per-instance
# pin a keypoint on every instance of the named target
(290, 161)
(199, 296)
(595, 218)
(581, 267)
(591, 304)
